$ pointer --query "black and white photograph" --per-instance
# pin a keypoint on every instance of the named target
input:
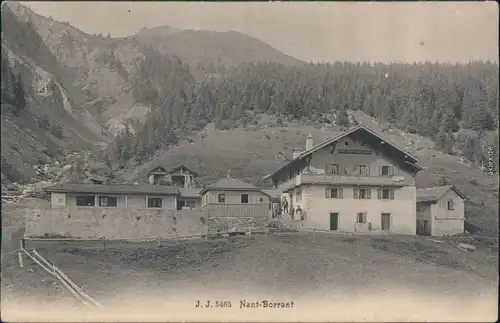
(168, 161)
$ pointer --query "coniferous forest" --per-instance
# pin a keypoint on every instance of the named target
(434, 100)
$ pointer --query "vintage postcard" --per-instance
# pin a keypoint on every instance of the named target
(249, 161)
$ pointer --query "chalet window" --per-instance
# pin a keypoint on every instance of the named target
(222, 198)
(386, 170)
(361, 170)
(450, 205)
(85, 200)
(244, 198)
(385, 193)
(346, 143)
(298, 195)
(107, 201)
(276, 184)
(190, 204)
(333, 169)
(155, 202)
(261, 199)
(362, 193)
(361, 218)
(334, 193)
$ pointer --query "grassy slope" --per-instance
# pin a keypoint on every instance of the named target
(251, 154)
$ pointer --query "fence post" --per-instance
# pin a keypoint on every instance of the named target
(314, 233)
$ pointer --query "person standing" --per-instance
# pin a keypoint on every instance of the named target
(285, 205)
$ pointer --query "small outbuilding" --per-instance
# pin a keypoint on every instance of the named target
(189, 198)
(440, 211)
(232, 197)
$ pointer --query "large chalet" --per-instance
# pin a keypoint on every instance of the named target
(356, 181)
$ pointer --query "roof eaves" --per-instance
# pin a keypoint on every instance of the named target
(328, 141)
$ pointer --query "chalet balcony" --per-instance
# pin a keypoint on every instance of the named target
(332, 179)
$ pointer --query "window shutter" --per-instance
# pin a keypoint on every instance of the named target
(391, 193)
(367, 170)
(379, 193)
(327, 193)
(355, 193)
(368, 193)
(391, 171)
(341, 193)
(364, 217)
(380, 170)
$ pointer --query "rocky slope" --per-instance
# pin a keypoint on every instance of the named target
(81, 82)
(101, 66)
(53, 121)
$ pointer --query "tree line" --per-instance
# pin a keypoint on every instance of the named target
(430, 99)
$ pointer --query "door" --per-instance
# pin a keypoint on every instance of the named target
(425, 229)
(180, 204)
(334, 221)
(386, 221)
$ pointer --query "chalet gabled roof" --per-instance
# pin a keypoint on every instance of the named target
(142, 189)
(433, 194)
(411, 159)
(183, 166)
(231, 184)
(157, 169)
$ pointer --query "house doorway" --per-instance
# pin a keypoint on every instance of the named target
(180, 204)
(334, 221)
(386, 221)
(423, 228)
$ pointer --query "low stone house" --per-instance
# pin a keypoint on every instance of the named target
(440, 211)
(236, 203)
(123, 196)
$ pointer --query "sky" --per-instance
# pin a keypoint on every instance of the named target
(315, 31)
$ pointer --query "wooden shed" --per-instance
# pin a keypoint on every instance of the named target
(440, 211)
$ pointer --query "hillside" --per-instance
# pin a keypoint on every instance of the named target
(102, 66)
(209, 51)
(253, 152)
(50, 120)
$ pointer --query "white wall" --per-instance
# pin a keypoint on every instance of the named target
(448, 222)
(318, 209)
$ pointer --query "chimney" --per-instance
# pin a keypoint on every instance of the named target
(296, 152)
(309, 142)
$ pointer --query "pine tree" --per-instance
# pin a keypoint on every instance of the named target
(19, 95)
(343, 117)
(450, 142)
(441, 141)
